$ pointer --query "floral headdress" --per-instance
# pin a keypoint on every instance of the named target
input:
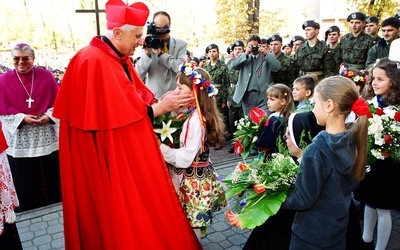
(201, 83)
(359, 77)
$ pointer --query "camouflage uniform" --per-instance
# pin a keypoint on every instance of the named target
(337, 57)
(219, 76)
(354, 50)
(235, 109)
(287, 74)
(315, 60)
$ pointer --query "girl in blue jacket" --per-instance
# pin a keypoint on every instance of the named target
(331, 167)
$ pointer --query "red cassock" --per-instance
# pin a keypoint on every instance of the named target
(117, 193)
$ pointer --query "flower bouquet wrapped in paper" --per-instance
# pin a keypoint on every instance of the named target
(248, 130)
(383, 134)
(260, 188)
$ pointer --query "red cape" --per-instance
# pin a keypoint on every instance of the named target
(116, 189)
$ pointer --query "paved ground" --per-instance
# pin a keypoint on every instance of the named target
(42, 228)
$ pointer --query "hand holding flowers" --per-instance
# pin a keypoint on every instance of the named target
(248, 130)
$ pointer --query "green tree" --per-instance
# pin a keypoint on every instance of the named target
(380, 8)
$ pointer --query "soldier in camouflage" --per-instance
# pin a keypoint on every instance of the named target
(355, 45)
(312, 56)
(219, 76)
(372, 28)
(332, 38)
(296, 42)
(286, 74)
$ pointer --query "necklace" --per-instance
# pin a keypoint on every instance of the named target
(30, 100)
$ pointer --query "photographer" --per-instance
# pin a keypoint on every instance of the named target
(161, 55)
(255, 66)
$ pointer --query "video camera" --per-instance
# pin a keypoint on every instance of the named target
(152, 40)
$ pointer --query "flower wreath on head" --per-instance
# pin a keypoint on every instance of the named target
(201, 83)
(360, 77)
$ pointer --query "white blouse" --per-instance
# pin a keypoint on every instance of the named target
(184, 156)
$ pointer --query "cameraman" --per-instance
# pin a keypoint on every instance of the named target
(255, 66)
(161, 55)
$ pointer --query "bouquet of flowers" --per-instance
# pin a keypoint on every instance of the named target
(260, 188)
(248, 130)
(169, 127)
(383, 134)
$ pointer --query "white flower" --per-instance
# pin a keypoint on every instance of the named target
(377, 154)
(255, 138)
(166, 131)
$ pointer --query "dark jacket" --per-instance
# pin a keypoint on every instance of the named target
(323, 189)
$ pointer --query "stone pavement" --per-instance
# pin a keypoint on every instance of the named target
(42, 228)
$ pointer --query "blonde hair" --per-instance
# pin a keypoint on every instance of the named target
(215, 126)
(344, 92)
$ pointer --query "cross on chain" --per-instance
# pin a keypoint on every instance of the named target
(29, 101)
(97, 11)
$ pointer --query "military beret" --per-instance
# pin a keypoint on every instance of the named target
(310, 23)
(229, 49)
(372, 19)
(331, 29)
(238, 43)
(286, 45)
(265, 41)
(195, 59)
(297, 38)
(203, 57)
(276, 38)
(356, 15)
(212, 46)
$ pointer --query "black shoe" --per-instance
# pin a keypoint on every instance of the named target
(218, 147)
(367, 245)
(231, 150)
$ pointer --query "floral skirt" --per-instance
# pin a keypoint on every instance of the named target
(200, 193)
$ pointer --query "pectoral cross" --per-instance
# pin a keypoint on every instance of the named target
(29, 101)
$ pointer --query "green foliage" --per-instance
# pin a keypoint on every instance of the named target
(380, 8)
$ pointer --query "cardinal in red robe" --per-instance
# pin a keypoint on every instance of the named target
(117, 193)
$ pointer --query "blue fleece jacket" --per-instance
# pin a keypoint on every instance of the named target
(323, 189)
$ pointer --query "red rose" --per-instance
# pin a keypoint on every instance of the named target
(379, 111)
(259, 188)
(397, 116)
(388, 139)
(238, 147)
(257, 114)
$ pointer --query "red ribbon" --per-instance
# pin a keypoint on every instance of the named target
(360, 107)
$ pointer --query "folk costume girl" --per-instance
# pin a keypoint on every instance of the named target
(190, 166)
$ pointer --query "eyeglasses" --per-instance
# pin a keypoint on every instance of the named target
(23, 58)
